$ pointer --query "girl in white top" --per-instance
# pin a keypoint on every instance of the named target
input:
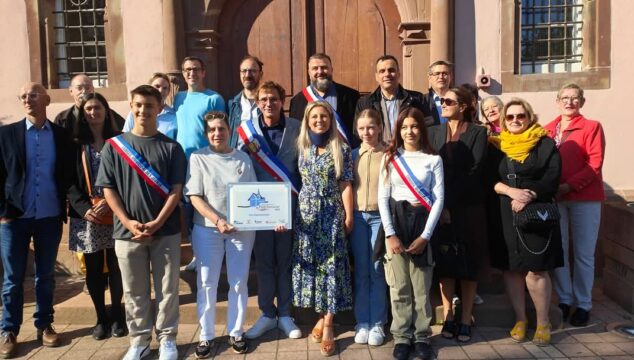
(210, 170)
(408, 227)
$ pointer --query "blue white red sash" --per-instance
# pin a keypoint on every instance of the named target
(140, 165)
(253, 139)
(312, 96)
(411, 181)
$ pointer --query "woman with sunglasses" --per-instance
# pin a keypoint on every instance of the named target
(525, 169)
(581, 143)
(462, 145)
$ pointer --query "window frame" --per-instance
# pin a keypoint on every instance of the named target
(42, 50)
(595, 49)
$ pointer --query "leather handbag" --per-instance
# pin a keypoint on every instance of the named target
(537, 216)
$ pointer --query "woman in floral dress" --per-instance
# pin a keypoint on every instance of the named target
(321, 272)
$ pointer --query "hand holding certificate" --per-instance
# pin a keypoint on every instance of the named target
(259, 206)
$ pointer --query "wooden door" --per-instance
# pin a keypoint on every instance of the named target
(283, 33)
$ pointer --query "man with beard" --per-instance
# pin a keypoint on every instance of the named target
(440, 78)
(242, 107)
(390, 96)
(342, 98)
(80, 86)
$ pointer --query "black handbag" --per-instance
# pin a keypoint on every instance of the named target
(450, 253)
(537, 216)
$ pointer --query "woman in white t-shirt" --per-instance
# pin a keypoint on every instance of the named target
(409, 213)
(210, 170)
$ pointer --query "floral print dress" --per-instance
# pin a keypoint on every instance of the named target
(321, 271)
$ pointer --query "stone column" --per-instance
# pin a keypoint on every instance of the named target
(441, 30)
(173, 39)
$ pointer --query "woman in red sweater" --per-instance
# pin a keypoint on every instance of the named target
(581, 143)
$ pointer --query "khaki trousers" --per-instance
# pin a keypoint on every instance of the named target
(161, 254)
(409, 297)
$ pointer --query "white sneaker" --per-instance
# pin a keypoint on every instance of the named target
(361, 335)
(192, 265)
(168, 350)
(455, 300)
(478, 300)
(376, 336)
(261, 326)
(137, 352)
(287, 325)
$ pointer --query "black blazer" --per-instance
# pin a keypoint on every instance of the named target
(13, 168)
(78, 199)
(429, 108)
(346, 105)
(464, 171)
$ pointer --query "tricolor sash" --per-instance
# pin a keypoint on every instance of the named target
(415, 186)
(140, 165)
(256, 145)
(312, 96)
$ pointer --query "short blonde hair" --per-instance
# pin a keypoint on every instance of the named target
(532, 117)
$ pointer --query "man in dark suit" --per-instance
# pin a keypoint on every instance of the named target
(33, 188)
(80, 85)
(440, 76)
(342, 98)
(390, 97)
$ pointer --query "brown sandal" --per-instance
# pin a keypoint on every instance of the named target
(327, 347)
(318, 332)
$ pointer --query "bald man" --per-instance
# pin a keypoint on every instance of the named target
(33, 184)
(80, 86)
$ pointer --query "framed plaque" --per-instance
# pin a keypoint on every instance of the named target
(259, 205)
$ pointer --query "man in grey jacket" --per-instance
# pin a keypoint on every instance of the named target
(242, 107)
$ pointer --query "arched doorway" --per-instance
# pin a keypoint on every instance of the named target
(283, 33)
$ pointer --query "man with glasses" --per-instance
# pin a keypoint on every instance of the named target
(242, 107)
(440, 78)
(80, 86)
(273, 137)
(342, 98)
(33, 184)
(390, 96)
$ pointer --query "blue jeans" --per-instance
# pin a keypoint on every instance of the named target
(14, 248)
(370, 303)
(583, 218)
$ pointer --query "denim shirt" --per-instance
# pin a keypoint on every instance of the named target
(40, 199)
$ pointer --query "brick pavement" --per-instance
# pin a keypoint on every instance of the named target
(592, 342)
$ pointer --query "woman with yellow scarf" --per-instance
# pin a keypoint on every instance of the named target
(526, 169)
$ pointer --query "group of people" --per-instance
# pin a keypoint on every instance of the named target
(409, 184)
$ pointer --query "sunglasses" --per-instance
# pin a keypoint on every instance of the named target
(510, 117)
(448, 102)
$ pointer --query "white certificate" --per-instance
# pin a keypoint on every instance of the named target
(259, 205)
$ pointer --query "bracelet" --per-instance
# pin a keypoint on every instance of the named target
(217, 221)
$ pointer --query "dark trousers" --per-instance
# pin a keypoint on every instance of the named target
(96, 281)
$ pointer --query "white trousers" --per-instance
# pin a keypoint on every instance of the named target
(210, 247)
(582, 218)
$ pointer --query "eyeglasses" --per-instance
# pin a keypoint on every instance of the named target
(448, 102)
(194, 70)
(511, 117)
(270, 99)
(29, 96)
(246, 71)
(440, 73)
(570, 99)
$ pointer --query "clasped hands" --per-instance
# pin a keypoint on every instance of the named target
(520, 198)
(141, 231)
(395, 246)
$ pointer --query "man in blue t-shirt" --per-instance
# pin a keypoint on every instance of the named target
(192, 105)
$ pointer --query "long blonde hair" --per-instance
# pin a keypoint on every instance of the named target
(335, 143)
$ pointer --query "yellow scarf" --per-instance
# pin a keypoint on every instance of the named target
(518, 146)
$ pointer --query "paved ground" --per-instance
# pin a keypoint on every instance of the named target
(592, 342)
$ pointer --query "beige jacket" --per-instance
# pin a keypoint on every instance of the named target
(366, 177)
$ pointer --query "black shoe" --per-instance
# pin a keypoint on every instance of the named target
(464, 333)
(203, 350)
(580, 317)
(565, 311)
(449, 329)
(422, 351)
(401, 351)
(239, 344)
(100, 332)
(119, 328)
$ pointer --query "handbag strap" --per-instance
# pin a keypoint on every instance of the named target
(511, 176)
(519, 234)
(87, 175)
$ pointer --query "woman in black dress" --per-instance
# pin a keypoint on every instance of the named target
(531, 158)
(462, 144)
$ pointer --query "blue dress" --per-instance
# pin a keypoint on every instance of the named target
(321, 271)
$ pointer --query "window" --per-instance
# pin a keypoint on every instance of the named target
(547, 43)
(68, 37)
(80, 44)
(551, 36)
